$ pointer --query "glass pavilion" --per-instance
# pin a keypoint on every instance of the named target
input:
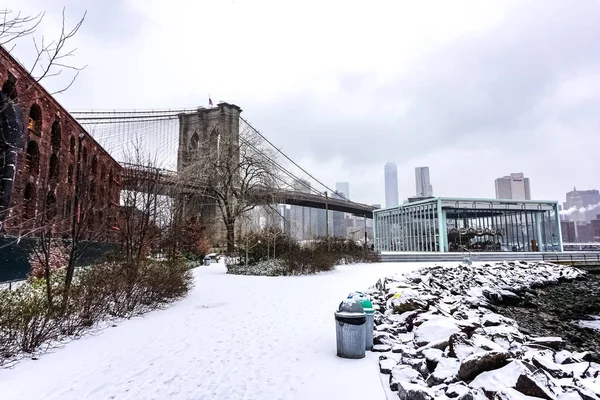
(444, 224)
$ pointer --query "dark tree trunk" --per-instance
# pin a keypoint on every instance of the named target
(230, 226)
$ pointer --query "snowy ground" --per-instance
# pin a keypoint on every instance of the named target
(233, 337)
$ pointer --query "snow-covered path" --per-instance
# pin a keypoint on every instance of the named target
(233, 337)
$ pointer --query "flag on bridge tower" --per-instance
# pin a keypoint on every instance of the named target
(210, 103)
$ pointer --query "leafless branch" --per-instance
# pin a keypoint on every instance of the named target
(17, 26)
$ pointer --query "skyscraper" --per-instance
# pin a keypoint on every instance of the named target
(343, 189)
(515, 187)
(391, 185)
(424, 188)
(582, 205)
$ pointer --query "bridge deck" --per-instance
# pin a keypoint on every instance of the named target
(134, 178)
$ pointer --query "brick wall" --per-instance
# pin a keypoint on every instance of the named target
(47, 163)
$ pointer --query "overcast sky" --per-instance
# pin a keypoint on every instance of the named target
(473, 89)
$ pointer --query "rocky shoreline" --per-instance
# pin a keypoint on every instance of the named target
(442, 335)
(555, 311)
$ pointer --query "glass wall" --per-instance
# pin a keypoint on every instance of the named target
(468, 225)
(408, 228)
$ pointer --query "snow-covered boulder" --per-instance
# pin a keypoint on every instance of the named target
(477, 363)
(435, 329)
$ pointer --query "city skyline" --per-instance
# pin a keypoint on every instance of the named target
(461, 43)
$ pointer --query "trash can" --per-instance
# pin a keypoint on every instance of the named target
(207, 261)
(365, 302)
(350, 322)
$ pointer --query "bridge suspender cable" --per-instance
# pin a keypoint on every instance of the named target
(289, 159)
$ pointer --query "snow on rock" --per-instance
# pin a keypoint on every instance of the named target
(434, 330)
(387, 365)
(555, 343)
(476, 363)
(441, 322)
(512, 394)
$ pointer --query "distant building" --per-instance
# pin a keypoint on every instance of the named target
(567, 229)
(337, 222)
(343, 189)
(391, 185)
(301, 223)
(424, 188)
(582, 205)
(596, 229)
(513, 187)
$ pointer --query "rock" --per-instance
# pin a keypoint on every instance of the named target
(384, 327)
(412, 391)
(382, 338)
(435, 329)
(432, 357)
(565, 357)
(445, 372)
(386, 365)
(529, 386)
(553, 342)
(407, 300)
(484, 343)
(509, 297)
(571, 395)
(457, 389)
(512, 394)
(480, 362)
(399, 348)
(418, 364)
(381, 348)
(491, 319)
(468, 327)
(583, 356)
(589, 385)
(461, 347)
(492, 295)
(577, 370)
(439, 344)
(404, 373)
(551, 367)
(514, 375)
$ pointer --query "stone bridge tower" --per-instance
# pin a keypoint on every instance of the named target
(203, 131)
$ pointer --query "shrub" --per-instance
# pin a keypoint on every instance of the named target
(58, 258)
(100, 292)
(271, 252)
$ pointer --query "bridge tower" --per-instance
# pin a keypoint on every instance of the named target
(203, 131)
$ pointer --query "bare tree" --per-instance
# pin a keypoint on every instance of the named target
(233, 171)
(14, 26)
(146, 207)
(51, 57)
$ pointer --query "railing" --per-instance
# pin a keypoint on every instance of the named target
(571, 258)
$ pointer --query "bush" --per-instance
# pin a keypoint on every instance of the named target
(271, 252)
(58, 258)
(100, 292)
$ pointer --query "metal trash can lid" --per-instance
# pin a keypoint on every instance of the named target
(364, 301)
(351, 306)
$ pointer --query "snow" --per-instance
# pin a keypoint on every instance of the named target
(505, 377)
(592, 324)
(233, 337)
(434, 330)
